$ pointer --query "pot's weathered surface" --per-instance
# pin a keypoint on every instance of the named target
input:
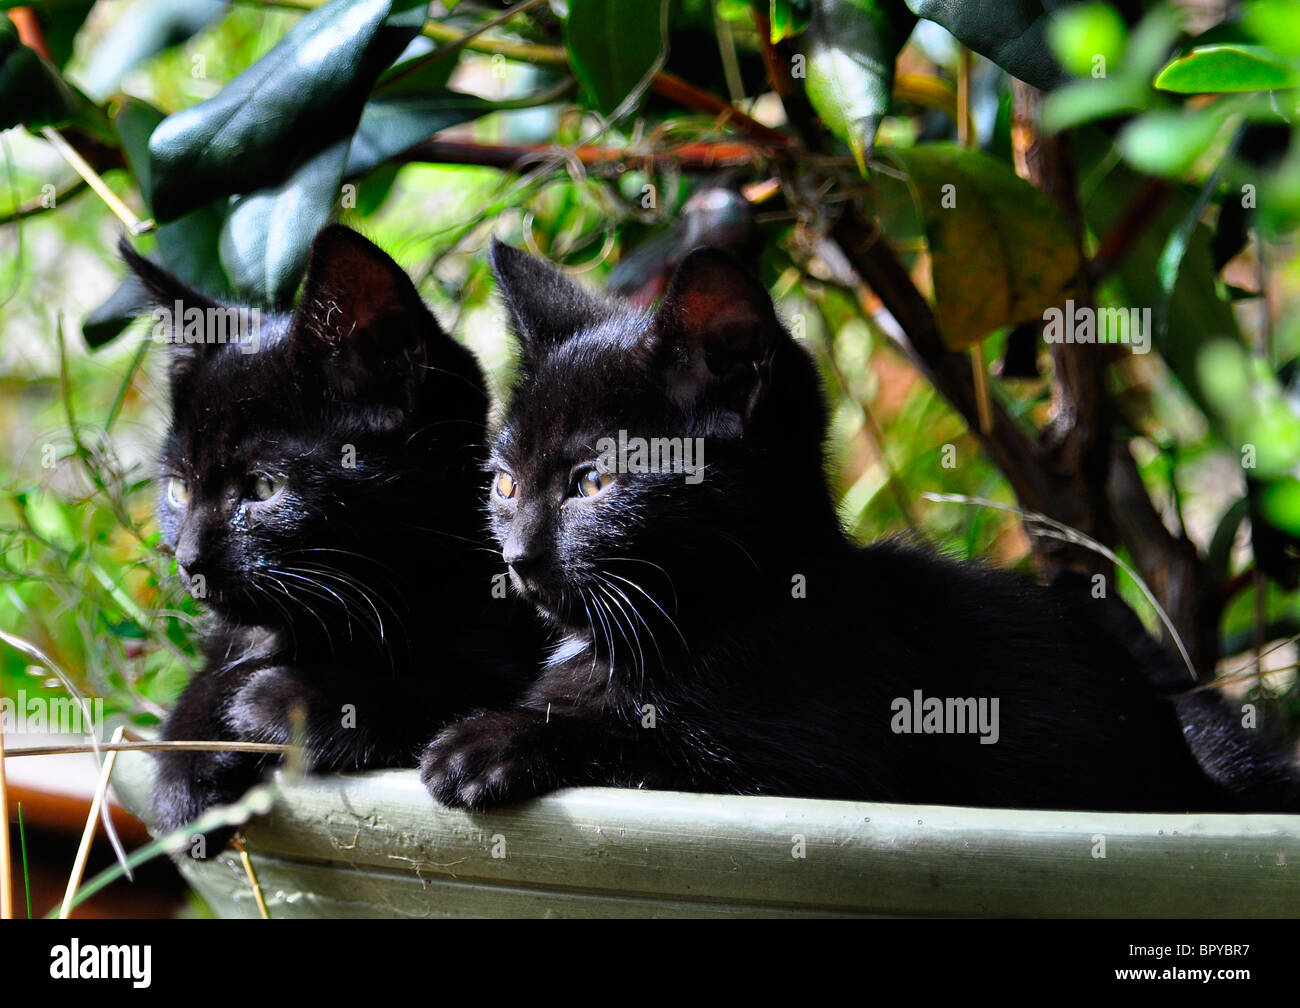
(374, 844)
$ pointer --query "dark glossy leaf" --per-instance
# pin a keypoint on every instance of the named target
(34, 94)
(612, 45)
(1227, 68)
(374, 189)
(851, 47)
(1000, 252)
(106, 322)
(188, 246)
(303, 96)
(267, 234)
(1011, 34)
(61, 23)
(143, 31)
(391, 124)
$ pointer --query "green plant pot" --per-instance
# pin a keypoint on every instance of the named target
(375, 845)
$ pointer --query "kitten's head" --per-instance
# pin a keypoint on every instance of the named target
(312, 455)
(710, 377)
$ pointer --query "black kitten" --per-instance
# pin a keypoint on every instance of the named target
(322, 486)
(720, 632)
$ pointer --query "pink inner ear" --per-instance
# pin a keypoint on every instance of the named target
(706, 310)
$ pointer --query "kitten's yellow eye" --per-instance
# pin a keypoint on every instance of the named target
(265, 487)
(506, 486)
(178, 494)
(591, 482)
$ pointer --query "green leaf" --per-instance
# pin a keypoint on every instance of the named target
(788, 18)
(1171, 256)
(1225, 68)
(1281, 504)
(267, 234)
(1197, 313)
(61, 23)
(188, 246)
(1000, 252)
(851, 47)
(392, 123)
(1012, 35)
(1219, 556)
(1083, 34)
(302, 97)
(1275, 24)
(1168, 143)
(1085, 100)
(613, 45)
(34, 94)
(106, 322)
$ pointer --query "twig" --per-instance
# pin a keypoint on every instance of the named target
(699, 156)
(79, 164)
(270, 748)
(460, 42)
(88, 834)
(444, 33)
(40, 207)
(247, 862)
(683, 92)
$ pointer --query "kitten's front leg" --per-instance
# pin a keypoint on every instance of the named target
(351, 722)
(187, 783)
(496, 759)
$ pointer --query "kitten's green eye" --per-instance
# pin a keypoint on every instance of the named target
(506, 486)
(178, 494)
(265, 486)
(591, 481)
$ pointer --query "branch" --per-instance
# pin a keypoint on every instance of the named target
(690, 156)
(879, 268)
(683, 92)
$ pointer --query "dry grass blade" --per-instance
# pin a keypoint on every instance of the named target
(1040, 524)
(88, 834)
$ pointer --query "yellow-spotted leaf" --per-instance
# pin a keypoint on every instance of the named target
(1000, 251)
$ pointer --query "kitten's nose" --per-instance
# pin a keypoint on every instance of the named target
(520, 554)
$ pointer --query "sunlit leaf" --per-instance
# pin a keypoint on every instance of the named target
(267, 234)
(1226, 68)
(851, 47)
(1000, 251)
(302, 97)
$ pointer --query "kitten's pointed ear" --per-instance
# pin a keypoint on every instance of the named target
(718, 327)
(356, 297)
(172, 303)
(545, 305)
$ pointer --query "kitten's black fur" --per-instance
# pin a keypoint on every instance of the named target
(684, 598)
(361, 591)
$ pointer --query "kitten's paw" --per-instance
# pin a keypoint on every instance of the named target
(264, 708)
(188, 784)
(488, 760)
